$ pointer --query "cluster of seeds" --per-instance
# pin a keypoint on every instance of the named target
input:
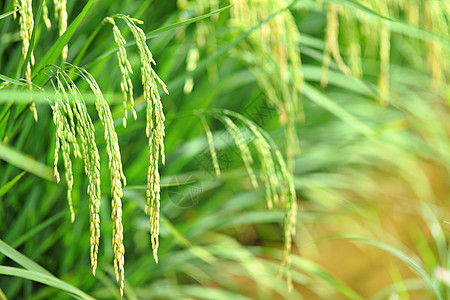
(154, 114)
(272, 52)
(276, 177)
(118, 180)
(61, 15)
(26, 29)
(204, 38)
(429, 15)
(125, 69)
(70, 114)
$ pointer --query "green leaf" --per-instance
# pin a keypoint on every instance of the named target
(186, 22)
(55, 51)
(4, 189)
(2, 16)
(18, 159)
(324, 101)
(13, 81)
(46, 279)
(21, 259)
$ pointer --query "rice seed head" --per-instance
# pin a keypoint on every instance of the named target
(383, 78)
(332, 44)
(212, 150)
(155, 129)
(26, 22)
(241, 143)
(278, 181)
(274, 58)
(63, 139)
(61, 15)
(45, 18)
(91, 157)
(125, 69)
(118, 179)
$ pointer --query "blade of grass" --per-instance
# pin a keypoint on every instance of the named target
(322, 100)
(21, 259)
(55, 51)
(18, 159)
(2, 16)
(13, 81)
(46, 279)
(4, 189)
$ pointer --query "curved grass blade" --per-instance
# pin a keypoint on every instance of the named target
(21, 259)
(46, 279)
(55, 51)
(2, 16)
(322, 100)
(18, 159)
(13, 81)
(4, 189)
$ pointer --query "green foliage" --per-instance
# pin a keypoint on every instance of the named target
(339, 108)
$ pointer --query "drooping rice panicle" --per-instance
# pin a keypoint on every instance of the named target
(239, 140)
(277, 178)
(26, 22)
(212, 150)
(154, 129)
(45, 18)
(61, 15)
(332, 44)
(125, 69)
(385, 48)
(91, 157)
(272, 52)
(118, 180)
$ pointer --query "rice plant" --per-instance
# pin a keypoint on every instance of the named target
(303, 151)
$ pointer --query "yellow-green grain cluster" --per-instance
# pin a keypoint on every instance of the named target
(61, 15)
(212, 150)
(154, 127)
(26, 22)
(45, 18)
(276, 177)
(431, 16)
(70, 117)
(204, 39)
(332, 44)
(118, 180)
(273, 55)
(125, 69)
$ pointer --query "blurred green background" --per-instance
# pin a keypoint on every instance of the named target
(369, 153)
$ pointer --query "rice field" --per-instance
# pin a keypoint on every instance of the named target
(242, 149)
